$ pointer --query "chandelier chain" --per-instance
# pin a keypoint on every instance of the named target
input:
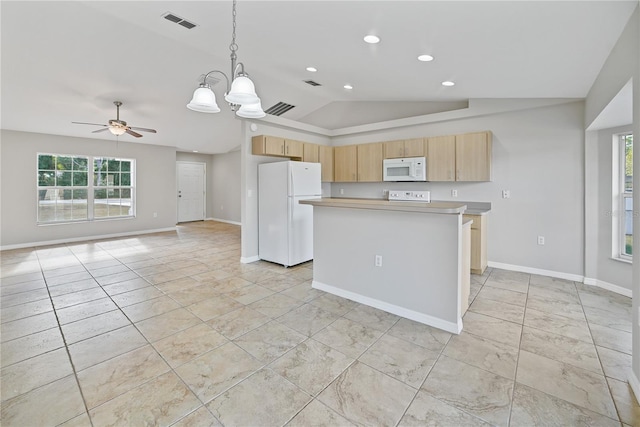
(233, 46)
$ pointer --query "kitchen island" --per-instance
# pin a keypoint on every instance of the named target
(406, 258)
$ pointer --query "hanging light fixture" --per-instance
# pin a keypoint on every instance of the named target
(240, 93)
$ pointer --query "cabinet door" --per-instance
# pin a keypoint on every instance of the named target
(393, 149)
(370, 162)
(414, 147)
(325, 154)
(441, 158)
(345, 163)
(310, 153)
(273, 145)
(473, 157)
(293, 148)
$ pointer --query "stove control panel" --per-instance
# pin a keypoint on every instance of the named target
(410, 196)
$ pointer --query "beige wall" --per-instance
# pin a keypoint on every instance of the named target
(155, 185)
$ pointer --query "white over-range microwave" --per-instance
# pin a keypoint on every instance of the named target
(406, 169)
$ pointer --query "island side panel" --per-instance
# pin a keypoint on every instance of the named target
(421, 261)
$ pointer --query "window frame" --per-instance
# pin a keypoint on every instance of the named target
(620, 197)
(90, 189)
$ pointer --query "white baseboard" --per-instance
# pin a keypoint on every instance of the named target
(436, 322)
(608, 286)
(224, 220)
(250, 259)
(85, 238)
(531, 270)
(574, 277)
(635, 384)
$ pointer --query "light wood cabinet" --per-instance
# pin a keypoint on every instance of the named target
(370, 162)
(441, 158)
(473, 157)
(325, 156)
(465, 290)
(404, 148)
(311, 153)
(478, 243)
(264, 145)
(345, 163)
(293, 148)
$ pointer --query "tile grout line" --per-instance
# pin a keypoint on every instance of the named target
(66, 347)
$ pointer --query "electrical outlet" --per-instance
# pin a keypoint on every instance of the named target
(506, 194)
(378, 262)
(341, 191)
(221, 207)
(454, 193)
(541, 240)
(385, 194)
(155, 214)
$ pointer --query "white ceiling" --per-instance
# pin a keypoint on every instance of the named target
(65, 61)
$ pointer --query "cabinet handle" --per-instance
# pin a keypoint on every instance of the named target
(449, 175)
(458, 175)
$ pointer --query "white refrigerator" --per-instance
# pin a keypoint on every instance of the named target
(285, 228)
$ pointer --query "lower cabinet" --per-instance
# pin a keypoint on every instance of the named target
(478, 243)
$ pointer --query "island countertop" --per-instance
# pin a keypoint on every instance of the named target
(386, 205)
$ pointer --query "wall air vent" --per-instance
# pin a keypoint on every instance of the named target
(180, 21)
(312, 83)
(279, 109)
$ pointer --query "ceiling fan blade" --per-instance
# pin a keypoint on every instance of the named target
(143, 129)
(136, 134)
(100, 130)
(92, 124)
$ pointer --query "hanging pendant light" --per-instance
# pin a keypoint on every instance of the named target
(240, 90)
(204, 100)
(251, 111)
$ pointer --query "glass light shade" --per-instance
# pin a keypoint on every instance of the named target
(251, 111)
(242, 92)
(204, 101)
(117, 130)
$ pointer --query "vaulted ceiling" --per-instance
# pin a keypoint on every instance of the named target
(65, 61)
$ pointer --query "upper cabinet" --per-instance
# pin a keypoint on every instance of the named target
(325, 155)
(265, 145)
(441, 158)
(370, 162)
(404, 148)
(345, 163)
(310, 153)
(464, 157)
(473, 156)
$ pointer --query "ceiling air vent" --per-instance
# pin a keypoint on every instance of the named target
(180, 21)
(312, 83)
(279, 109)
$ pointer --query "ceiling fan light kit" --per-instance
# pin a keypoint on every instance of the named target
(240, 93)
(116, 126)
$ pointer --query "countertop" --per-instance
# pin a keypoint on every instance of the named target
(386, 205)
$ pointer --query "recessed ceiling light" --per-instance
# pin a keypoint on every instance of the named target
(372, 39)
(195, 151)
(312, 69)
(425, 58)
(448, 83)
(348, 87)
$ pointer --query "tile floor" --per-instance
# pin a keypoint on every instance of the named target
(170, 329)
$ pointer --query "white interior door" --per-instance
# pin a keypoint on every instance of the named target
(191, 191)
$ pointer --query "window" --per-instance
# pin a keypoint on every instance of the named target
(83, 188)
(623, 196)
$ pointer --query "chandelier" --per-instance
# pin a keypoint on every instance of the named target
(240, 93)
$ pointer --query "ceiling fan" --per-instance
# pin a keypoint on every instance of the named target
(117, 126)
